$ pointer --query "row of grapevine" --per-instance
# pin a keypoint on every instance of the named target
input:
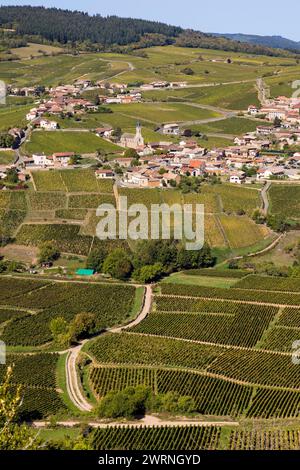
(272, 403)
(244, 328)
(132, 349)
(36, 373)
(281, 338)
(212, 396)
(157, 438)
(66, 237)
(276, 298)
(111, 304)
(10, 288)
(290, 317)
(258, 367)
(211, 272)
(265, 440)
(89, 201)
(285, 284)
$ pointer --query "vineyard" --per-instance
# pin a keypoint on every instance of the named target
(39, 388)
(245, 328)
(67, 238)
(72, 181)
(212, 396)
(157, 438)
(277, 298)
(111, 305)
(265, 440)
(270, 283)
(126, 348)
(279, 195)
(211, 272)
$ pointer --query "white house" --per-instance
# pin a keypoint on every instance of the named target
(171, 129)
(42, 160)
(237, 177)
(104, 174)
(137, 179)
(31, 115)
(253, 110)
(48, 125)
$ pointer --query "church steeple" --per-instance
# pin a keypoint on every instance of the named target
(139, 141)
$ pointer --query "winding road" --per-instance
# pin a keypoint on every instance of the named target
(73, 384)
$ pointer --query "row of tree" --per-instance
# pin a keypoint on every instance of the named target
(151, 260)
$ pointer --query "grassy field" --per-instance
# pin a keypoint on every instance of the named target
(35, 50)
(205, 281)
(13, 116)
(7, 157)
(159, 113)
(231, 96)
(234, 126)
(59, 69)
(78, 142)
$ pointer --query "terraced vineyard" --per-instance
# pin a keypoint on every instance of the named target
(157, 438)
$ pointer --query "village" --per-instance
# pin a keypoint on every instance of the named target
(264, 154)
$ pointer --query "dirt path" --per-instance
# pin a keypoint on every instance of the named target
(264, 195)
(73, 384)
(148, 420)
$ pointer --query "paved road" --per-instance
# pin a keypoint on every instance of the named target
(73, 385)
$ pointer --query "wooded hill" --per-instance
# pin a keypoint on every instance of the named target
(112, 33)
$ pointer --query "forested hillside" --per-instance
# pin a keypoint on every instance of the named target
(112, 33)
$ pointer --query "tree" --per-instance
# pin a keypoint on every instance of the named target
(12, 435)
(48, 252)
(60, 331)
(188, 71)
(118, 264)
(128, 403)
(148, 274)
(117, 133)
(131, 153)
(195, 258)
(12, 176)
(277, 122)
(82, 326)
(96, 259)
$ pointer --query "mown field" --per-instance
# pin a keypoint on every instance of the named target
(77, 142)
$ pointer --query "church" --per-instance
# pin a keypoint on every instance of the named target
(133, 141)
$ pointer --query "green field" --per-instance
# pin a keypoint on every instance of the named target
(233, 126)
(7, 157)
(13, 116)
(164, 112)
(78, 142)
